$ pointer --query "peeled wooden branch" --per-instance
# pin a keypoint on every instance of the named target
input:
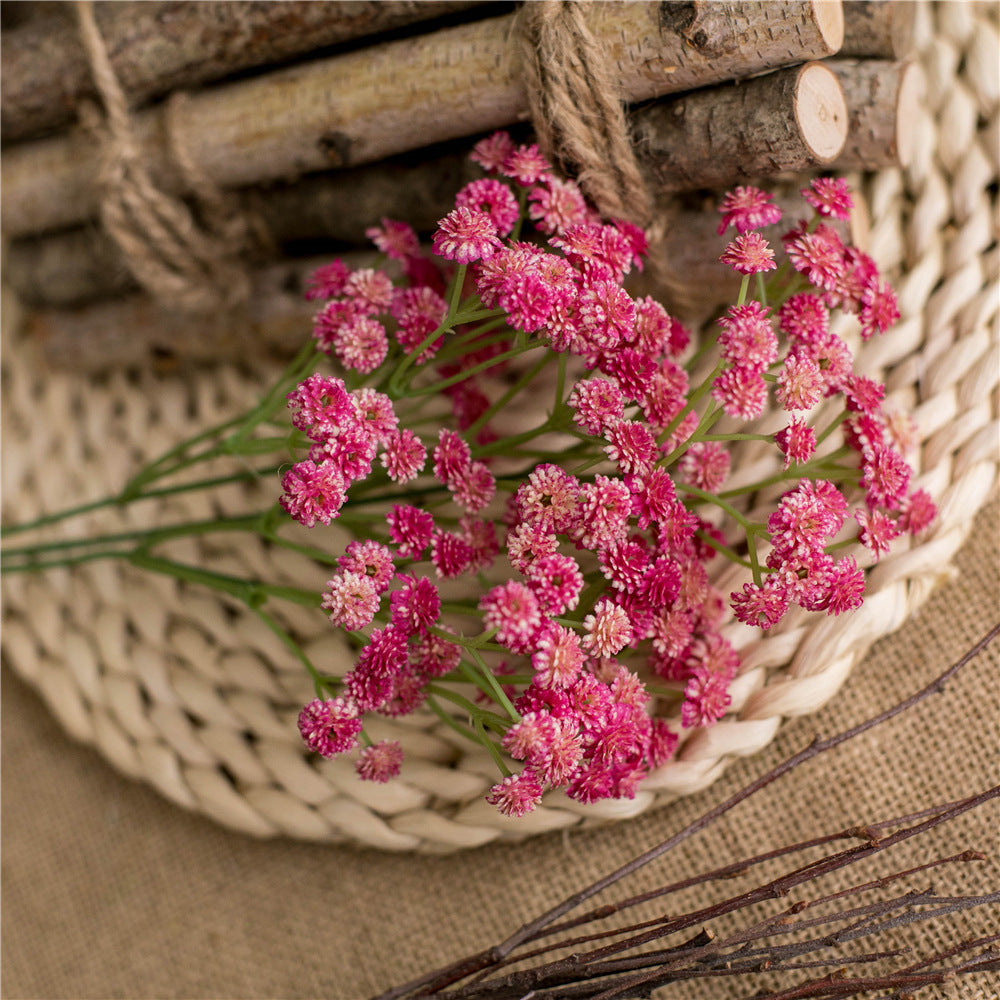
(791, 120)
(159, 47)
(364, 106)
(136, 330)
(883, 99)
(879, 29)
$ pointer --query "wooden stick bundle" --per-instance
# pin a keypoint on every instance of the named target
(364, 106)
(159, 47)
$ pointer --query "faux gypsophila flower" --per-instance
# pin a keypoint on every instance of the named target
(535, 471)
(584, 555)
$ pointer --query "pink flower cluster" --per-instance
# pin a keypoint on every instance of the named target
(603, 593)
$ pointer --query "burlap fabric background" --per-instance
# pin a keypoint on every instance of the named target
(110, 891)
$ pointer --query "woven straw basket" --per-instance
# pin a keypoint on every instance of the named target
(189, 692)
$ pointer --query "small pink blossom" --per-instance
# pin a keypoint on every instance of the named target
(475, 489)
(549, 498)
(320, 406)
(800, 383)
(516, 795)
(495, 199)
(830, 196)
(371, 559)
(415, 607)
(410, 528)
(876, 531)
(597, 404)
(706, 698)
(526, 165)
(558, 659)
(608, 630)
(747, 208)
(602, 518)
(327, 281)
(329, 727)
(313, 492)
(705, 465)
(396, 240)
(804, 318)
(404, 456)
(879, 309)
(763, 605)
(557, 206)
(370, 289)
(556, 581)
(631, 446)
(380, 762)
(450, 553)
(747, 337)
(452, 457)
(512, 609)
(918, 512)
(797, 442)
(749, 253)
(465, 235)
(351, 599)
(847, 587)
(361, 344)
(491, 153)
(531, 739)
(742, 392)
(885, 476)
(818, 254)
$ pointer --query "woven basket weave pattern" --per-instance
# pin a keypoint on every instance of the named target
(189, 692)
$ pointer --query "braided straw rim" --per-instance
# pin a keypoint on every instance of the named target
(192, 694)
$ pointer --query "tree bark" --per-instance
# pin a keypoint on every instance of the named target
(879, 29)
(883, 99)
(363, 106)
(791, 120)
(159, 47)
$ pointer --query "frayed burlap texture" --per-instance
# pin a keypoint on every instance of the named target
(109, 891)
(192, 694)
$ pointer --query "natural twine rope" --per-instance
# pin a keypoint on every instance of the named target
(578, 113)
(191, 267)
(190, 693)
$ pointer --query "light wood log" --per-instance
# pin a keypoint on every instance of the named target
(159, 47)
(135, 330)
(883, 100)
(879, 29)
(791, 120)
(138, 331)
(364, 106)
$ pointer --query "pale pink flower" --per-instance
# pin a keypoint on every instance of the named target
(558, 658)
(747, 208)
(512, 609)
(396, 240)
(481, 537)
(800, 383)
(320, 406)
(885, 476)
(380, 762)
(452, 457)
(492, 152)
(351, 599)
(706, 698)
(375, 413)
(549, 498)
(526, 165)
(531, 739)
(819, 255)
(597, 403)
(804, 318)
(474, 489)
(879, 309)
(749, 253)
(876, 531)
(557, 205)
(370, 289)
(327, 281)
(370, 558)
(705, 465)
(419, 312)
(361, 344)
(556, 581)
(673, 631)
(465, 235)
(762, 606)
(847, 587)
(624, 563)
(516, 795)
(404, 456)
(608, 630)
(352, 451)
(918, 512)
(602, 519)
(747, 337)
(742, 392)
(631, 446)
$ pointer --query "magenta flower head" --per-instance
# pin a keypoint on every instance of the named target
(466, 235)
(747, 208)
(329, 727)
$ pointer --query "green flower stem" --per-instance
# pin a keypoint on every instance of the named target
(474, 370)
(831, 427)
(448, 719)
(736, 437)
(498, 690)
(492, 747)
(519, 386)
(693, 400)
(723, 550)
(274, 399)
(558, 404)
(251, 592)
(754, 561)
(458, 282)
(744, 288)
(761, 289)
(456, 609)
(151, 536)
(823, 468)
(319, 682)
(508, 446)
(712, 498)
(311, 552)
(34, 567)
